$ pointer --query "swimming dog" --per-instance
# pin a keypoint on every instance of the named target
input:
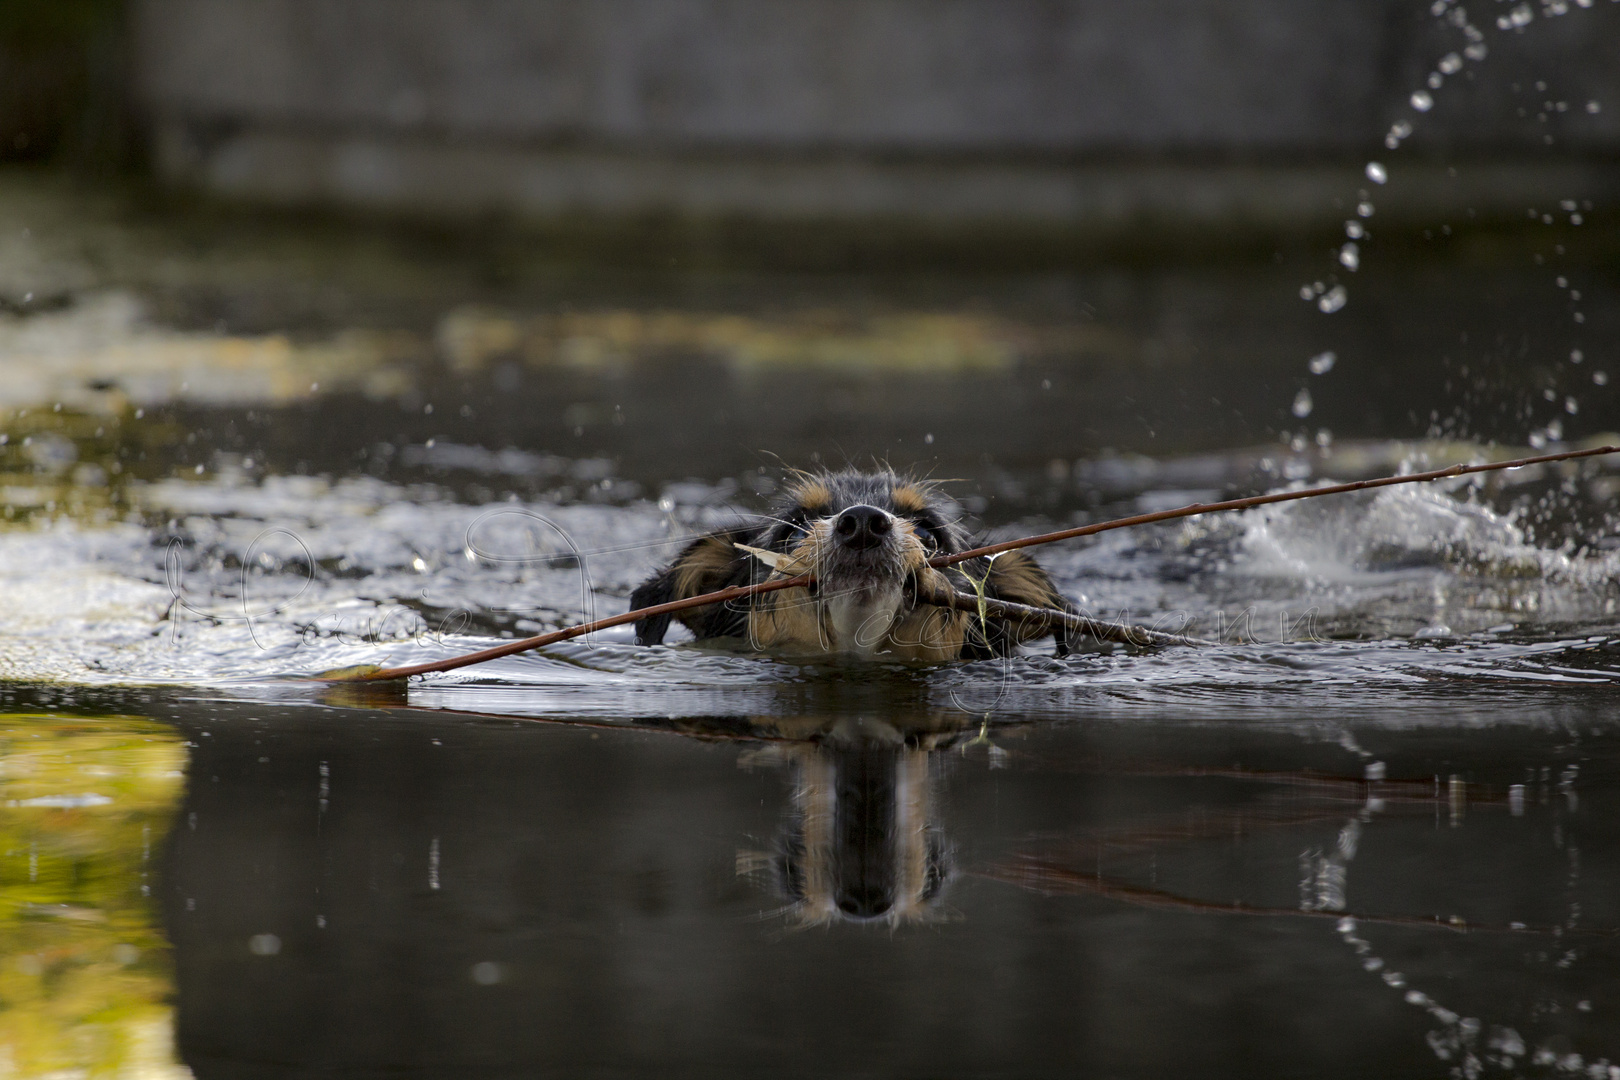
(867, 538)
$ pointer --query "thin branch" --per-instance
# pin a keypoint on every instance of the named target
(1194, 509)
(1051, 618)
(371, 673)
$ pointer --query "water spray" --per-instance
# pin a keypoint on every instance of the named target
(964, 601)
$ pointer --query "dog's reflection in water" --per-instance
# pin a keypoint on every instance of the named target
(861, 842)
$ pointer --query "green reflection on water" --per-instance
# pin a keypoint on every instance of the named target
(85, 973)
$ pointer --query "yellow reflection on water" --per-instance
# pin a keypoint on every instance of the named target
(85, 974)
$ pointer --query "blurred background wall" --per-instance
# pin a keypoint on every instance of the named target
(964, 114)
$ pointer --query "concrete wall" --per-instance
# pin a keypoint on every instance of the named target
(1058, 111)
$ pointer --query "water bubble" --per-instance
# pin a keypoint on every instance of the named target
(1324, 438)
(1377, 173)
(1593, 107)
(1332, 300)
(1302, 404)
(264, 944)
(1434, 80)
(486, 973)
(1571, 406)
(1350, 256)
(1322, 363)
(1450, 63)
(1476, 51)
(1305, 293)
(1353, 230)
(1600, 378)
(1561, 281)
(1422, 100)
(1576, 219)
(1365, 209)
(1576, 356)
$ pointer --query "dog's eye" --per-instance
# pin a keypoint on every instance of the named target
(925, 532)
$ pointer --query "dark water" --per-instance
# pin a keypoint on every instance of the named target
(860, 885)
(1367, 833)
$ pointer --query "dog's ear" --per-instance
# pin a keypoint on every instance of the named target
(1018, 578)
(707, 564)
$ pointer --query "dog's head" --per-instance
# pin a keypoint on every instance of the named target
(866, 539)
(858, 529)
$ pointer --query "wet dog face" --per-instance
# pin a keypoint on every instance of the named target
(866, 538)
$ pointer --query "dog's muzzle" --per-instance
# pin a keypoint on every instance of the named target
(863, 527)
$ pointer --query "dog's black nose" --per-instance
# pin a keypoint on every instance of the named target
(863, 526)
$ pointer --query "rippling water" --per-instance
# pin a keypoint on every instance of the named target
(1368, 831)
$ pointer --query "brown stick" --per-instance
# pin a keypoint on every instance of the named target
(735, 592)
(1195, 509)
(739, 592)
(1050, 617)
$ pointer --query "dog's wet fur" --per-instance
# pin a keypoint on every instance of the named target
(867, 538)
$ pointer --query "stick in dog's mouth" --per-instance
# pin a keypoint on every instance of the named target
(710, 556)
(865, 538)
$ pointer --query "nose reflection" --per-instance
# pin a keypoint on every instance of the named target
(860, 842)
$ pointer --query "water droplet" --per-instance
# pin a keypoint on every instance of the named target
(1350, 256)
(1600, 378)
(929, 438)
(1476, 51)
(1305, 292)
(1571, 406)
(1302, 404)
(1435, 80)
(1576, 219)
(1324, 438)
(1593, 107)
(1377, 173)
(1332, 300)
(1365, 209)
(264, 944)
(1450, 63)
(1422, 101)
(486, 973)
(1322, 363)
(1354, 230)
(1576, 356)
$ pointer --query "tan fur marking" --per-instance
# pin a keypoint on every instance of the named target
(909, 499)
(812, 494)
(1017, 577)
(704, 567)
